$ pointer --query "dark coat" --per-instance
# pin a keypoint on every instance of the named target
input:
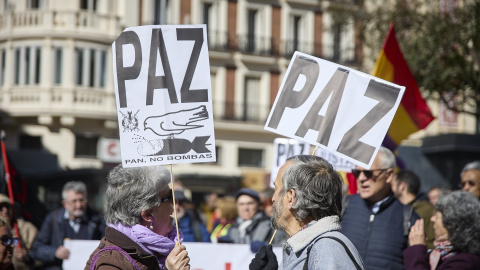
(380, 237)
(115, 260)
(53, 231)
(416, 258)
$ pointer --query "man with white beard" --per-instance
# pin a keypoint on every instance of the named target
(75, 220)
(306, 205)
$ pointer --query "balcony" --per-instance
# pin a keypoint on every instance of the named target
(78, 102)
(266, 46)
(48, 22)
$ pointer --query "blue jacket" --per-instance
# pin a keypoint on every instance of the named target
(193, 230)
(379, 238)
(53, 232)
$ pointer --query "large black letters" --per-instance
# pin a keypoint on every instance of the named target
(159, 82)
(187, 95)
(127, 73)
(293, 99)
(351, 144)
(312, 120)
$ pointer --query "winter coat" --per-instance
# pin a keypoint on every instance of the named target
(416, 258)
(53, 232)
(325, 253)
(113, 259)
(379, 238)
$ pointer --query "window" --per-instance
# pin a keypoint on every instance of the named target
(250, 99)
(160, 13)
(251, 30)
(34, 4)
(295, 35)
(337, 31)
(90, 67)
(27, 65)
(86, 145)
(90, 5)
(2, 66)
(57, 54)
(250, 157)
(30, 142)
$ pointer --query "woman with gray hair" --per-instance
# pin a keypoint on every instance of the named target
(140, 232)
(457, 236)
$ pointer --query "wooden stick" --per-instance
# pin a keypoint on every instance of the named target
(272, 237)
(314, 150)
(174, 205)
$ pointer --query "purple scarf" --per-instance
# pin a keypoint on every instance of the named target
(150, 241)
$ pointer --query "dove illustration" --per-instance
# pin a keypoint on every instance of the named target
(174, 123)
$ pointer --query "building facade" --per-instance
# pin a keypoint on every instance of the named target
(57, 100)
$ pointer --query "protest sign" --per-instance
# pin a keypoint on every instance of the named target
(163, 94)
(336, 108)
(340, 164)
(282, 150)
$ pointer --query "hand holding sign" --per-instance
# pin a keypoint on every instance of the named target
(342, 110)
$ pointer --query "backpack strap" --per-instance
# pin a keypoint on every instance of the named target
(305, 266)
(407, 216)
(95, 257)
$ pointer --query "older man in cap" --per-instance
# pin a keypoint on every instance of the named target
(28, 232)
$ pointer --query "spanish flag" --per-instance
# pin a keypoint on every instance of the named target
(413, 113)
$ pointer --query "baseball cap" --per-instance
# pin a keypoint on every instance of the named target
(247, 191)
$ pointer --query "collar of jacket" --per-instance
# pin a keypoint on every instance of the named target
(124, 242)
(304, 237)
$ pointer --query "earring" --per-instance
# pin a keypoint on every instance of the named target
(151, 225)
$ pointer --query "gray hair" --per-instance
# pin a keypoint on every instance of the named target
(471, 166)
(317, 186)
(461, 217)
(387, 158)
(75, 186)
(132, 190)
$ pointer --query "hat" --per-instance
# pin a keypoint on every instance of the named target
(180, 195)
(4, 199)
(247, 191)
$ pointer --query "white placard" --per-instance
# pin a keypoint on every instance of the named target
(203, 256)
(338, 163)
(337, 108)
(163, 94)
(282, 150)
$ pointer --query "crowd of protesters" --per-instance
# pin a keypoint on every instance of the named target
(388, 224)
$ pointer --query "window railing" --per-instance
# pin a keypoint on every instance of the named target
(266, 46)
(240, 111)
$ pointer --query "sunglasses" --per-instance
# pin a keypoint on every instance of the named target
(367, 173)
(169, 198)
(469, 182)
(9, 241)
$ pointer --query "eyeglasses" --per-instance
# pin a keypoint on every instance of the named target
(9, 241)
(167, 199)
(469, 182)
(367, 173)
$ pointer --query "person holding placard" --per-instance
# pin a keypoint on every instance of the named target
(306, 205)
(140, 231)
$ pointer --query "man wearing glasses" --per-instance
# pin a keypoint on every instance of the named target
(75, 220)
(470, 178)
(374, 220)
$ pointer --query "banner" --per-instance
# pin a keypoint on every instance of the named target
(282, 150)
(163, 94)
(203, 256)
(339, 109)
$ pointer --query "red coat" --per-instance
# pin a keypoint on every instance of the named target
(416, 258)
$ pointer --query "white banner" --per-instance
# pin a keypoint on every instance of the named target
(282, 150)
(203, 256)
(337, 108)
(163, 94)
